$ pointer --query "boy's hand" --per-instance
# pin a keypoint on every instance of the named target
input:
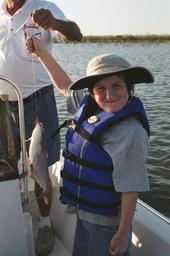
(118, 245)
(34, 45)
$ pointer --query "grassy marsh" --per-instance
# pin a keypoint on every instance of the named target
(164, 38)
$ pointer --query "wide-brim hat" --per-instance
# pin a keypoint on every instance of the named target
(106, 65)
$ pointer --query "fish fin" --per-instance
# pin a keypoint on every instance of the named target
(28, 139)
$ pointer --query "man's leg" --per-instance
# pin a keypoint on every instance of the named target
(45, 239)
(47, 114)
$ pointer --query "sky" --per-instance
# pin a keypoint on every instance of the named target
(118, 17)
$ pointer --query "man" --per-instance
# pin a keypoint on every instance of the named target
(20, 19)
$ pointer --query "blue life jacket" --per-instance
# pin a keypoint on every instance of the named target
(87, 172)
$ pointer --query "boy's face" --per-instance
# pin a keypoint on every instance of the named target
(111, 93)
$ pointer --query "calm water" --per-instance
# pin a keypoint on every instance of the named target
(156, 98)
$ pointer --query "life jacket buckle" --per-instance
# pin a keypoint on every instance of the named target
(71, 124)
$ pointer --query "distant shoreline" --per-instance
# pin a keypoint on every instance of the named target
(127, 39)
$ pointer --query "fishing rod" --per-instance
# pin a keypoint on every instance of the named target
(2, 42)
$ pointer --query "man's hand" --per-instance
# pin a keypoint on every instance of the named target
(69, 29)
(43, 18)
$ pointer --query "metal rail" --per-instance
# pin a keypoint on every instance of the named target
(155, 212)
(22, 135)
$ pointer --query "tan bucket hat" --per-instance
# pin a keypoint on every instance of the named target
(108, 64)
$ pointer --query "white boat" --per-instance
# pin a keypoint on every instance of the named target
(151, 230)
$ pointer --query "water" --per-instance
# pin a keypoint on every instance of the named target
(74, 58)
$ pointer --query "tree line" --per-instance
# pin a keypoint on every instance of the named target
(127, 39)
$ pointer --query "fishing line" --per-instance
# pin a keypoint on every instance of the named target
(34, 81)
(2, 42)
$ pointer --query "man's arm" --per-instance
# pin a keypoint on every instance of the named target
(46, 20)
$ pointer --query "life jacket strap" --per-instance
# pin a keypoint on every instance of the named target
(71, 123)
(77, 128)
(59, 128)
(64, 192)
(68, 155)
(68, 177)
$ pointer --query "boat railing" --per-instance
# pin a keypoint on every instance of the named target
(155, 212)
(22, 135)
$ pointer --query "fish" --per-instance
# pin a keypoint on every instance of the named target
(38, 158)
